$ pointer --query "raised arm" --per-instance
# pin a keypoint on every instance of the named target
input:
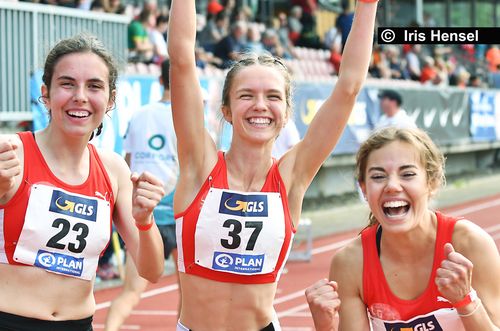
(330, 121)
(193, 141)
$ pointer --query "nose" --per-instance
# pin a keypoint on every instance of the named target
(80, 95)
(393, 184)
(260, 103)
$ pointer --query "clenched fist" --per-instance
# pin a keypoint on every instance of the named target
(147, 193)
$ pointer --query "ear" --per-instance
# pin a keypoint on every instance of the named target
(111, 101)
(226, 112)
(362, 186)
(44, 94)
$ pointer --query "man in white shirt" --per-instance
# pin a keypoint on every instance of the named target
(287, 138)
(393, 115)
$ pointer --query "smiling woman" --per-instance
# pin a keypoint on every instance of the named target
(411, 267)
(236, 212)
(59, 196)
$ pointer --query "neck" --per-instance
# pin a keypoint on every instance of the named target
(61, 147)
(411, 245)
(247, 169)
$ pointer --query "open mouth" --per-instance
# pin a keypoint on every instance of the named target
(396, 208)
(260, 121)
(78, 113)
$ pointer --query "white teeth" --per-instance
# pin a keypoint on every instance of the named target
(79, 113)
(260, 120)
(395, 204)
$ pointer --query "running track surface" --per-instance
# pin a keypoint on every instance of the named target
(156, 311)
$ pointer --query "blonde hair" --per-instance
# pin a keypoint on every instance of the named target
(430, 156)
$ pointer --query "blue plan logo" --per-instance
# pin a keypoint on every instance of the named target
(72, 205)
(60, 263)
(251, 205)
(247, 264)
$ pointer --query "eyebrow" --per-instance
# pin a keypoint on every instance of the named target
(93, 80)
(404, 167)
(243, 90)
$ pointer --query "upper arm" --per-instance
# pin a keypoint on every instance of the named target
(119, 174)
(476, 245)
(331, 119)
(347, 270)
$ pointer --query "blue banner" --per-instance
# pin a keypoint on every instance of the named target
(483, 122)
(309, 97)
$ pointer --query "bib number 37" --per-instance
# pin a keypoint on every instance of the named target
(235, 227)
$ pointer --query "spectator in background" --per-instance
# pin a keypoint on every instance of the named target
(157, 37)
(396, 69)
(228, 49)
(294, 24)
(272, 44)
(309, 8)
(215, 29)
(393, 115)
(214, 7)
(254, 43)
(429, 72)
(115, 7)
(344, 22)
(336, 56)
(493, 58)
(413, 62)
(281, 27)
(150, 132)
(140, 47)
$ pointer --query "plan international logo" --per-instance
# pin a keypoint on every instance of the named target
(72, 205)
(246, 205)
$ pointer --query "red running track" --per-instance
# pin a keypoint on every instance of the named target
(156, 311)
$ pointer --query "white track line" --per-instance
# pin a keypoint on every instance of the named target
(293, 310)
(472, 209)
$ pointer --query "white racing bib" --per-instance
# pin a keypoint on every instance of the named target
(63, 232)
(240, 232)
(444, 319)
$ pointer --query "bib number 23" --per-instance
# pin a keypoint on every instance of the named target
(64, 227)
(235, 228)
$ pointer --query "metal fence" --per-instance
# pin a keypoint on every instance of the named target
(27, 31)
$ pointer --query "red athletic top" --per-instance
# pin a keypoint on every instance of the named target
(234, 236)
(384, 306)
(36, 171)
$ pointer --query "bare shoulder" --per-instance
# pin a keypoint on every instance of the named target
(115, 165)
(469, 238)
(348, 260)
(473, 242)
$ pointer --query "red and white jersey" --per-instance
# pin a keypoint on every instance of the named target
(429, 312)
(233, 236)
(55, 226)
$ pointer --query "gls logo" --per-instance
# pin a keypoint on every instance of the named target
(72, 205)
(251, 205)
(427, 323)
